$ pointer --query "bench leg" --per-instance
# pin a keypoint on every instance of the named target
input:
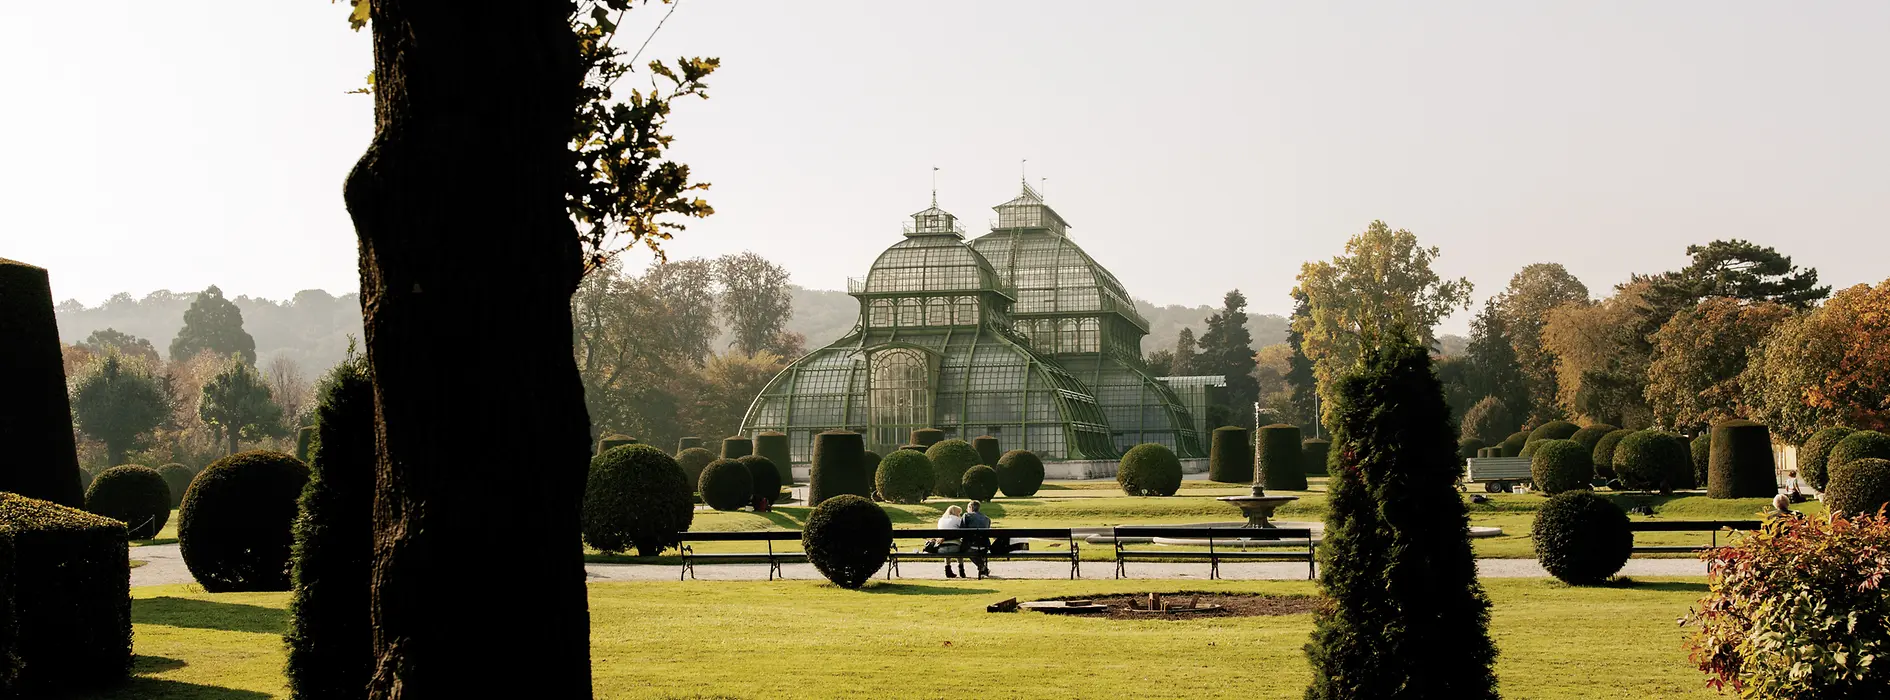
(1121, 572)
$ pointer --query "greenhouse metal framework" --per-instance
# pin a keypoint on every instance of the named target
(1018, 334)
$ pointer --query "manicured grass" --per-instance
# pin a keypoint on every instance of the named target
(933, 640)
(168, 535)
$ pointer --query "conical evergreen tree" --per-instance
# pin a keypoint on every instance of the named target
(1408, 618)
(331, 638)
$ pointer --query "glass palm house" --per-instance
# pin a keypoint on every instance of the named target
(1018, 334)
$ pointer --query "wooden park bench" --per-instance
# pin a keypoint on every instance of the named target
(1220, 541)
(690, 558)
(1712, 526)
(1013, 534)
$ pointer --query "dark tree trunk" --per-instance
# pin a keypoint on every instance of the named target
(468, 263)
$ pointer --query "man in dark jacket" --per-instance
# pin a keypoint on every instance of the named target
(978, 544)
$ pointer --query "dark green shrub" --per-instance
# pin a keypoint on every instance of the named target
(1603, 454)
(726, 485)
(870, 461)
(950, 459)
(847, 538)
(737, 447)
(839, 467)
(177, 479)
(304, 442)
(1149, 469)
(1863, 444)
(1020, 473)
(85, 482)
(1814, 454)
(1312, 456)
(764, 477)
(613, 440)
(330, 641)
(1512, 445)
(35, 411)
(1700, 448)
(636, 496)
(1741, 461)
(1230, 455)
(693, 461)
(1560, 465)
(1860, 487)
(988, 450)
(1650, 460)
(774, 446)
(1279, 447)
(1470, 447)
(65, 599)
(915, 448)
(1404, 615)
(1553, 430)
(927, 437)
(904, 476)
(980, 484)
(237, 523)
(134, 495)
(1529, 449)
(1581, 538)
(1591, 435)
(685, 443)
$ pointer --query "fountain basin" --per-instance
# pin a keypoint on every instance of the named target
(1257, 508)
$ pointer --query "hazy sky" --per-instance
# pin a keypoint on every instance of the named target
(1194, 146)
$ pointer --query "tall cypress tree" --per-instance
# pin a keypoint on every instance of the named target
(1299, 368)
(1408, 618)
(1227, 350)
(331, 636)
(1184, 363)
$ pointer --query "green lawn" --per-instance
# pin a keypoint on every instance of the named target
(801, 639)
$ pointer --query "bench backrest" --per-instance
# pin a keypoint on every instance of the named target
(1213, 533)
(739, 536)
(1692, 525)
(995, 532)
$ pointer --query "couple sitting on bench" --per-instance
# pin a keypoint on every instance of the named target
(977, 546)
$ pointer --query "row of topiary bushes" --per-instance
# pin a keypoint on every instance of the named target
(1851, 467)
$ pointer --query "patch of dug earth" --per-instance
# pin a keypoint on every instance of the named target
(1231, 605)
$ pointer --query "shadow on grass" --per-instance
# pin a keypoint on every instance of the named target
(209, 615)
(661, 559)
(160, 689)
(142, 664)
(786, 520)
(1624, 582)
(887, 588)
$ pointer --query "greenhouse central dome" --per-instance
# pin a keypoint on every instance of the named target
(1018, 334)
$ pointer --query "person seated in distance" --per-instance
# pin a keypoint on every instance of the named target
(978, 544)
(952, 519)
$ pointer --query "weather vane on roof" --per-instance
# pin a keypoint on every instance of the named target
(934, 187)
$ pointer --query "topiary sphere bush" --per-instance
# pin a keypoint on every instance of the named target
(177, 478)
(1230, 455)
(774, 446)
(134, 495)
(1560, 465)
(636, 496)
(737, 447)
(1312, 456)
(1863, 444)
(904, 476)
(980, 483)
(1582, 538)
(693, 461)
(1740, 461)
(1700, 448)
(989, 451)
(1279, 449)
(1554, 430)
(237, 521)
(1512, 445)
(765, 478)
(1470, 447)
(1020, 473)
(1815, 453)
(1650, 460)
(1149, 469)
(927, 437)
(839, 466)
(1591, 435)
(1529, 448)
(847, 538)
(726, 485)
(1860, 487)
(1603, 454)
(950, 459)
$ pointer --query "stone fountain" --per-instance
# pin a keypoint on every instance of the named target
(1258, 507)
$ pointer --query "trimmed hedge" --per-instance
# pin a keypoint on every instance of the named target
(1230, 456)
(1591, 435)
(636, 496)
(1861, 487)
(950, 459)
(42, 459)
(774, 446)
(904, 476)
(847, 538)
(927, 437)
(1312, 455)
(1149, 469)
(1741, 461)
(1650, 460)
(133, 494)
(1561, 465)
(304, 442)
(989, 450)
(1529, 449)
(1279, 448)
(611, 441)
(1700, 448)
(737, 447)
(684, 443)
(980, 483)
(1603, 454)
(1470, 447)
(65, 599)
(1863, 444)
(330, 643)
(237, 523)
(177, 478)
(1814, 454)
(1554, 430)
(1020, 473)
(1512, 445)
(1582, 538)
(764, 478)
(726, 485)
(839, 467)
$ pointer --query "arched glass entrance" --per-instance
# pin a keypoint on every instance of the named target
(899, 397)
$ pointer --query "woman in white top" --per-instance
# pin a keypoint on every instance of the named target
(954, 518)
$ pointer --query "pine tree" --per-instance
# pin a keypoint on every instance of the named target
(1299, 373)
(213, 323)
(1184, 363)
(1227, 350)
(1408, 619)
(1494, 368)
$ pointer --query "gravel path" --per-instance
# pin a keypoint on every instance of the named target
(165, 566)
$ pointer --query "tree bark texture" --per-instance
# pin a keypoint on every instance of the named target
(38, 456)
(468, 263)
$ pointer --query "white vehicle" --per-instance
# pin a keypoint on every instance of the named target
(1498, 474)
